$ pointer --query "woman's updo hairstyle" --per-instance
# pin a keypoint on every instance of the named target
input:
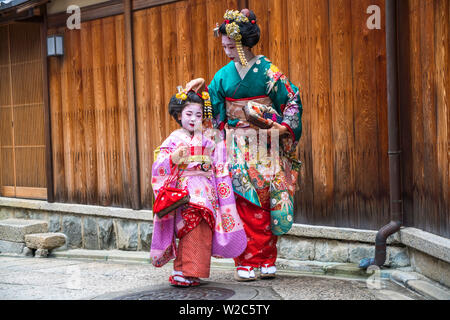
(249, 30)
(176, 106)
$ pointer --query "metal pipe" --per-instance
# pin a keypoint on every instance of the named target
(395, 196)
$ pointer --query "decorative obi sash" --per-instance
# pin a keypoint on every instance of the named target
(196, 172)
(235, 110)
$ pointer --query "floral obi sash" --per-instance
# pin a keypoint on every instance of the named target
(235, 110)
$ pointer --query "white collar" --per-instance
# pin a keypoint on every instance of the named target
(243, 71)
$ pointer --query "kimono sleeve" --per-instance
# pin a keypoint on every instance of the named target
(162, 166)
(217, 95)
(286, 98)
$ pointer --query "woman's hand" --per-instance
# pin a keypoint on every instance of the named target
(195, 85)
(282, 130)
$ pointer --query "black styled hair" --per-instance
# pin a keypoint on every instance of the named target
(176, 106)
(250, 31)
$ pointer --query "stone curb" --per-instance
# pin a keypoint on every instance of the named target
(284, 266)
(431, 244)
(78, 209)
(420, 284)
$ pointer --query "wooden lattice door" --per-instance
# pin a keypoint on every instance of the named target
(22, 142)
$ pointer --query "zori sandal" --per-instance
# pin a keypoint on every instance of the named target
(268, 271)
(177, 279)
(244, 273)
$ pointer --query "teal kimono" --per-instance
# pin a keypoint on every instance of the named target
(257, 181)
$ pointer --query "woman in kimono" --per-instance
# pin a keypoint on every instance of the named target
(209, 224)
(264, 188)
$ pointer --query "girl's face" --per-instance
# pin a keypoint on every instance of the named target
(229, 45)
(191, 117)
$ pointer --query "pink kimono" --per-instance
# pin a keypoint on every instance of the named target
(212, 205)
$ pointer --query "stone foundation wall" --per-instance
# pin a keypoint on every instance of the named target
(431, 267)
(329, 250)
(90, 231)
(114, 232)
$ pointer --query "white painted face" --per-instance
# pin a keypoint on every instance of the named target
(191, 117)
(229, 45)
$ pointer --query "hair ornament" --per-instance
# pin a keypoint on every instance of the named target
(232, 18)
(207, 111)
(181, 95)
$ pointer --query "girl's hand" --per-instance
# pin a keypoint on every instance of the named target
(195, 85)
(179, 154)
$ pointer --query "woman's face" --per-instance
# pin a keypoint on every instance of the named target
(191, 117)
(229, 45)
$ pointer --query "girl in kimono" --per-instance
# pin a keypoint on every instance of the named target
(209, 224)
(264, 188)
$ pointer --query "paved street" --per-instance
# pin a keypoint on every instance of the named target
(69, 279)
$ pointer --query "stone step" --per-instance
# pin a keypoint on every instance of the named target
(47, 240)
(16, 229)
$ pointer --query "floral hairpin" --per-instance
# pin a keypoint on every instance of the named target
(181, 95)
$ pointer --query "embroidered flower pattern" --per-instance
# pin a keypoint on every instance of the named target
(228, 222)
(224, 190)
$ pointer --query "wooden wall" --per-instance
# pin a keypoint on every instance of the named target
(323, 46)
(89, 115)
(425, 113)
(340, 66)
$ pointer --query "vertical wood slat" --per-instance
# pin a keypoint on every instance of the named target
(112, 111)
(342, 125)
(89, 110)
(103, 172)
(300, 75)
(47, 113)
(123, 115)
(134, 161)
(442, 52)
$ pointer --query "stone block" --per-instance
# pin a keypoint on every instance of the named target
(71, 227)
(397, 257)
(145, 234)
(27, 252)
(41, 253)
(330, 251)
(5, 213)
(358, 251)
(127, 235)
(16, 229)
(11, 247)
(54, 223)
(290, 247)
(45, 240)
(90, 234)
(428, 243)
(431, 267)
(106, 234)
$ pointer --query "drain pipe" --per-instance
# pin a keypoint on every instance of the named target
(396, 207)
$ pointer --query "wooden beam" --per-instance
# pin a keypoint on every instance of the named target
(131, 102)
(46, 100)
(104, 9)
